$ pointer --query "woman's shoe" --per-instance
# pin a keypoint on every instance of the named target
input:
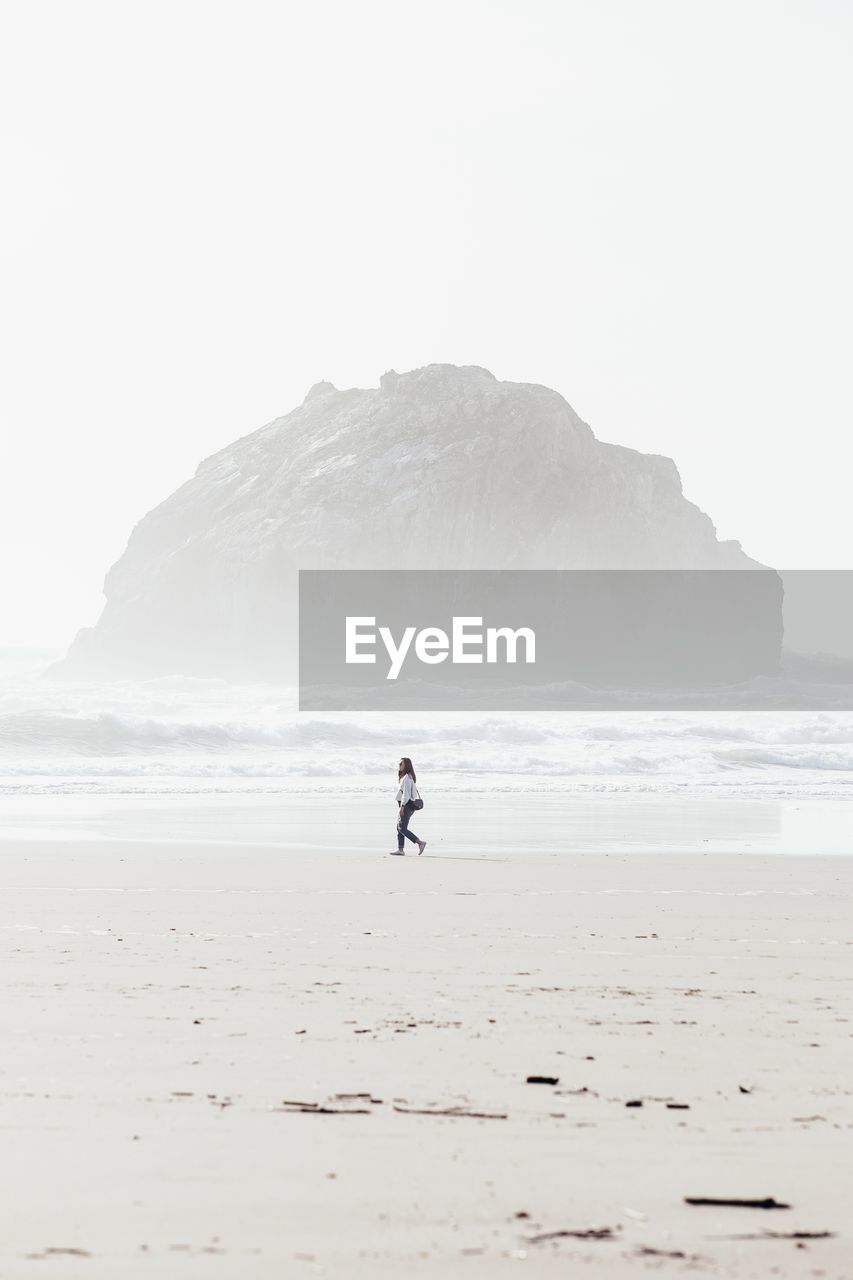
(421, 847)
(398, 853)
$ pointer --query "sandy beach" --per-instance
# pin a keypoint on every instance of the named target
(242, 1060)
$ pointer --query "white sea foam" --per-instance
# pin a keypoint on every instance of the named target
(180, 734)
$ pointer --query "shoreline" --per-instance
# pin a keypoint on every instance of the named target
(475, 824)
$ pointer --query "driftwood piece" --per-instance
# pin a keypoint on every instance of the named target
(320, 1109)
(576, 1233)
(781, 1235)
(450, 1111)
(767, 1203)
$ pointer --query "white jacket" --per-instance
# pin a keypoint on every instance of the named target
(408, 791)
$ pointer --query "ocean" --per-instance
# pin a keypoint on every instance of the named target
(205, 759)
(180, 735)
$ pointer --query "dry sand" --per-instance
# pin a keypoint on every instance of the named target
(225, 1061)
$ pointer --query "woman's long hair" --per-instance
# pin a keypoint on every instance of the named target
(406, 767)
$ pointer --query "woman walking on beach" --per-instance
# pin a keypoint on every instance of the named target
(409, 800)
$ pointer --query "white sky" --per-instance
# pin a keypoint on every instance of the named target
(208, 206)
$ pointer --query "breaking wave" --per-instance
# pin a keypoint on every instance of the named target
(195, 735)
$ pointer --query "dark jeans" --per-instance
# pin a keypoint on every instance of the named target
(403, 832)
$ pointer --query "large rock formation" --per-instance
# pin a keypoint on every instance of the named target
(443, 467)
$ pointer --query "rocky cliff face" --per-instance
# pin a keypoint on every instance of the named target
(443, 467)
